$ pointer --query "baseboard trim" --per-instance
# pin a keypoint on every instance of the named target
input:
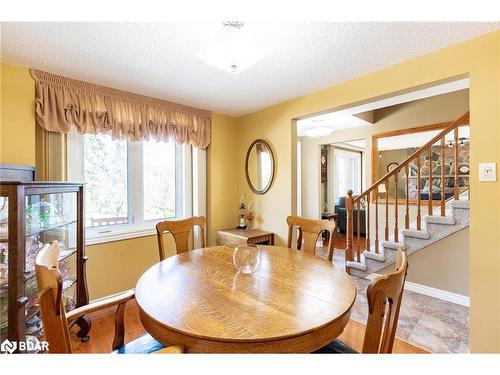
(433, 292)
(438, 293)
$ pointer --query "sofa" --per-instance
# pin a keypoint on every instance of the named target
(342, 217)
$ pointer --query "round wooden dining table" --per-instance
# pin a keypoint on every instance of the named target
(293, 303)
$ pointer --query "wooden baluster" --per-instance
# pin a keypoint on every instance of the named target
(396, 229)
(358, 225)
(407, 191)
(376, 220)
(386, 234)
(419, 225)
(455, 135)
(368, 221)
(443, 180)
(429, 203)
(348, 207)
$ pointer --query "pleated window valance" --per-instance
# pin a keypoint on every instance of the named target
(62, 103)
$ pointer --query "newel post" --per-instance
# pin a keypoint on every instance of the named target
(349, 221)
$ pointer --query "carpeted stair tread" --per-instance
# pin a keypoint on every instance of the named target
(392, 245)
(443, 220)
(414, 233)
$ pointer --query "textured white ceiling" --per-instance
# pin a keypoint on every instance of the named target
(158, 59)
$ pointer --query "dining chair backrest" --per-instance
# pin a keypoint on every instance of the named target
(384, 301)
(180, 230)
(52, 310)
(308, 232)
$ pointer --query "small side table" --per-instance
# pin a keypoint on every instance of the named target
(235, 237)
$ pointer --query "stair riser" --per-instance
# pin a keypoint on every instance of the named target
(461, 204)
(373, 265)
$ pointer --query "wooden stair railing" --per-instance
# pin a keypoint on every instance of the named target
(354, 203)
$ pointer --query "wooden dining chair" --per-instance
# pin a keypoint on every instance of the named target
(56, 321)
(180, 230)
(309, 231)
(384, 301)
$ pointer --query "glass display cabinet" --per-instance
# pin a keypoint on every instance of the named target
(33, 214)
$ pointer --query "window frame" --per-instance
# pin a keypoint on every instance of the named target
(137, 226)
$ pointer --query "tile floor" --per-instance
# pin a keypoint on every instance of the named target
(429, 323)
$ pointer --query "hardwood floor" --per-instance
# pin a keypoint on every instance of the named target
(103, 328)
(340, 242)
(340, 245)
(101, 334)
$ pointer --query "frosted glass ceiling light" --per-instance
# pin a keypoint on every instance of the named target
(233, 49)
(320, 131)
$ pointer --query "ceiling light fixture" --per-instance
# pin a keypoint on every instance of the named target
(320, 131)
(233, 49)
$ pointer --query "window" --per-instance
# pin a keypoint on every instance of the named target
(105, 172)
(347, 172)
(159, 180)
(130, 186)
(128, 183)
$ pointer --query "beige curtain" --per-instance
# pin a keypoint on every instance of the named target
(61, 103)
(50, 153)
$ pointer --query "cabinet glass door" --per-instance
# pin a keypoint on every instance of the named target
(50, 217)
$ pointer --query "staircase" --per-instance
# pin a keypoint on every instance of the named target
(443, 218)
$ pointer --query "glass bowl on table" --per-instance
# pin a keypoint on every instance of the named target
(246, 258)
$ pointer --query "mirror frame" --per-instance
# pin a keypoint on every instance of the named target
(268, 186)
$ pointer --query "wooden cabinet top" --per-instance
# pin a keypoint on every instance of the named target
(243, 233)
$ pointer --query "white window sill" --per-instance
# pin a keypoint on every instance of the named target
(118, 235)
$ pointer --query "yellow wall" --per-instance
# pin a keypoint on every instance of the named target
(222, 182)
(17, 124)
(116, 266)
(272, 208)
(479, 58)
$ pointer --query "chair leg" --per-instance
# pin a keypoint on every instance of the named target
(119, 338)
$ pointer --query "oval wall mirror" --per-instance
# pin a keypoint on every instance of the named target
(259, 166)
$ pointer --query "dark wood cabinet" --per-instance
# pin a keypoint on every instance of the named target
(31, 215)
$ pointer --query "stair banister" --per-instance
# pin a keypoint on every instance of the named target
(353, 203)
(349, 222)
